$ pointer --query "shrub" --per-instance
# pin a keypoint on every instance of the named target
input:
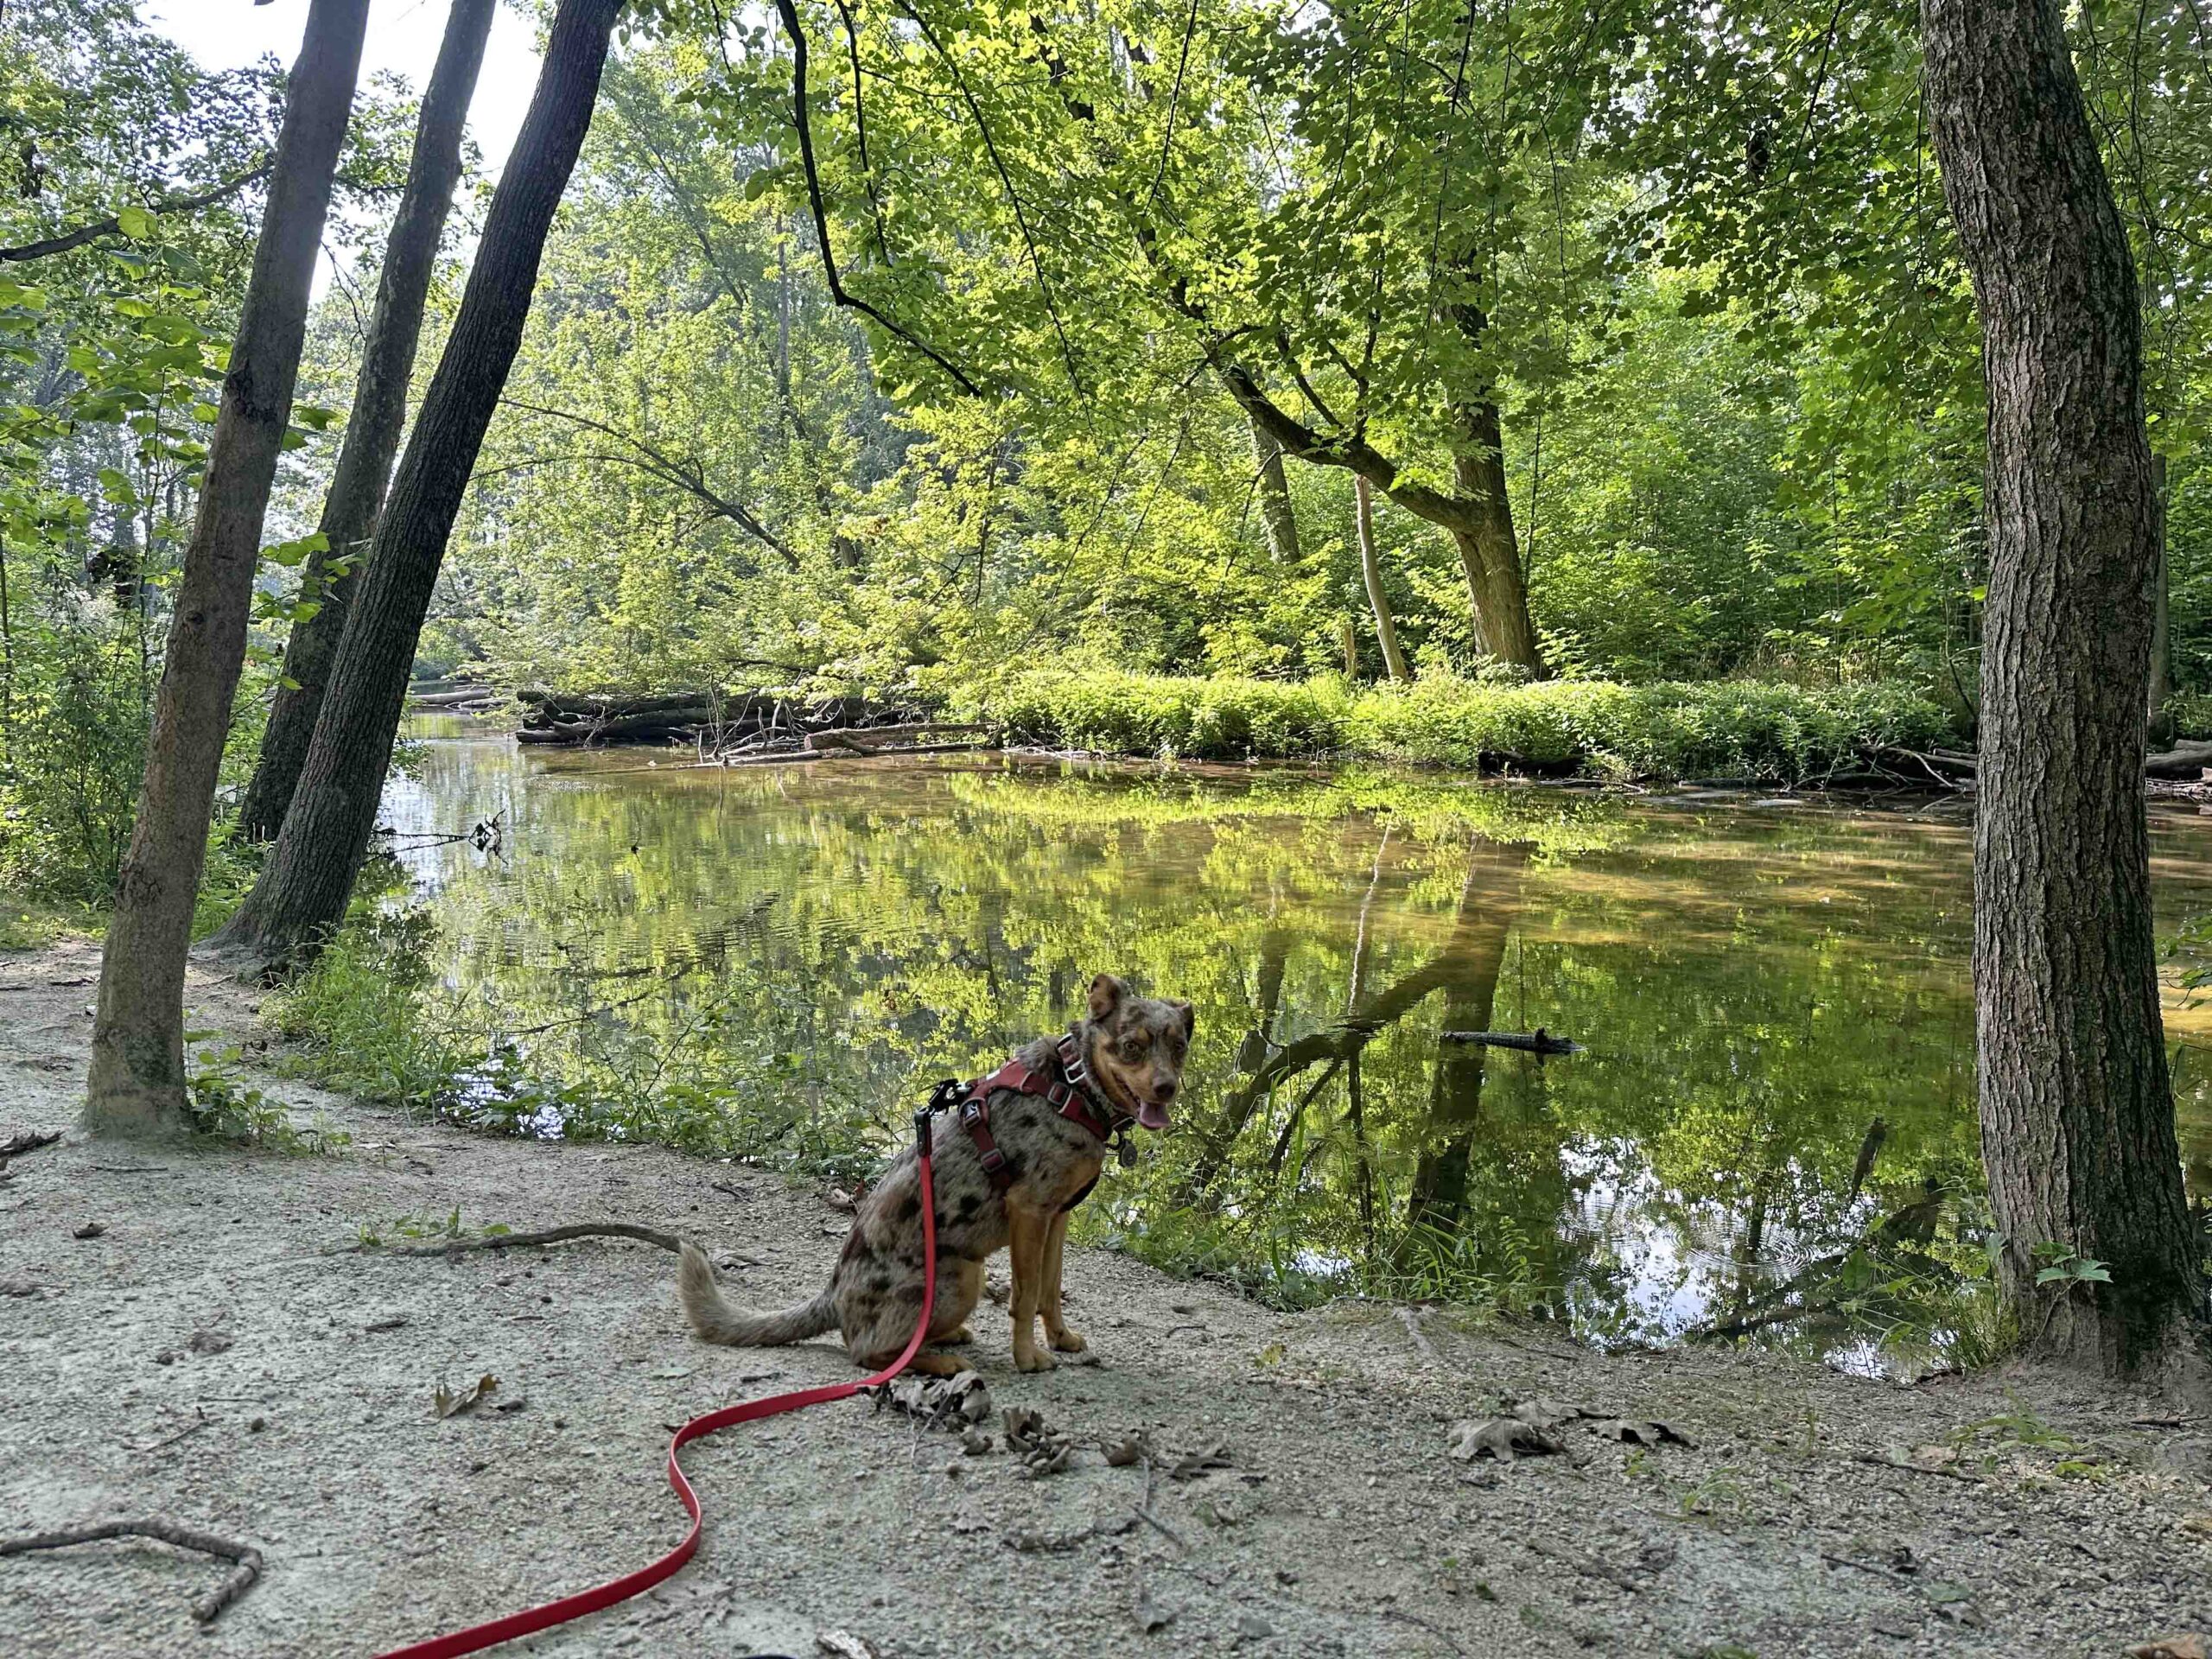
(1737, 729)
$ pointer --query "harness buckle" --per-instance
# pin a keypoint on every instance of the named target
(946, 1093)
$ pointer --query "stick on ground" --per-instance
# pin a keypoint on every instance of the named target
(652, 1235)
(169, 1532)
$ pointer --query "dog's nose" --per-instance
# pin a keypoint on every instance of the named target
(1165, 1088)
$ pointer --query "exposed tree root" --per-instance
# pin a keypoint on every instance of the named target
(168, 1532)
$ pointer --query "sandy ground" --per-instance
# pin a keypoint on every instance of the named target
(1341, 1524)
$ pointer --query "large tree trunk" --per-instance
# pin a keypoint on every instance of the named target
(302, 894)
(349, 511)
(2077, 1119)
(1370, 571)
(137, 1081)
(1274, 487)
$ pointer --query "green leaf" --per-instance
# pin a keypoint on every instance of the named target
(292, 554)
(135, 223)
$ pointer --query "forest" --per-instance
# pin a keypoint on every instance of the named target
(647, 637)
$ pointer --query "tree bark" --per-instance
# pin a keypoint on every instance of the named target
(356, 488)
(2077, 1118)
(1370, 571)
(1276, 513)
(135, 1085)
(302, 894)
(2160, 723)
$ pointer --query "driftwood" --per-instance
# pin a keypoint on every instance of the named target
(781, 757)
(1539, 1041)
(169, 1532)
(2187, 760)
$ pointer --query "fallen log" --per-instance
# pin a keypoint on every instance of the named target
(779, 757)
(453, 699)
(1539, 1041)
(2186, 760)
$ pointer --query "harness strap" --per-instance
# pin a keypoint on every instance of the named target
(1068, 1094)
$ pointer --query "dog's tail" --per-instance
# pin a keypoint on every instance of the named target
(717, 1321)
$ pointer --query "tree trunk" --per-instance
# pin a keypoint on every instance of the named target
(136, 1080)
(1370, 570)
(349, 511)
(302, 894)
(2077, 1118)
(1489, 552)
(1274, 487)
(2161, 723)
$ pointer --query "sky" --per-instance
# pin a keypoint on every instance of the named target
(403, 37)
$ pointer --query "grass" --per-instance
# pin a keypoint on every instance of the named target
(1751, 730)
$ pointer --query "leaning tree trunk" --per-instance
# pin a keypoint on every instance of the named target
(349, 511)
(2077, 1118)
(1272, 485)
(303, 887)
(137, 1081)
(1370, 571)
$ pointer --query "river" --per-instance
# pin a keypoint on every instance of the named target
(773, 963)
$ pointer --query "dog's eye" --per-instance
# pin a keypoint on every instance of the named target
(1131, 1048)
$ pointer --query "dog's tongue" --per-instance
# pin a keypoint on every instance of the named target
(1151, 1114)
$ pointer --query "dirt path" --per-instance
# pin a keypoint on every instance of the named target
(1341, 1524)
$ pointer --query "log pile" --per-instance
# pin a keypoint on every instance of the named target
(753, 728)
(2188, 761)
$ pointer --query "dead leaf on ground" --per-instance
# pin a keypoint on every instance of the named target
(1502, 1437)
(209, 1342)
(2187, 1645)
(1637, 1431)
(446, 1402)
(90, 1229)
(1198, 1463)
(1038, 1450)
(1130, 1448)
(843, 1644)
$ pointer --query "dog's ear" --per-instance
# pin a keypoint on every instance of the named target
(1189, 1017)
(1105, 995)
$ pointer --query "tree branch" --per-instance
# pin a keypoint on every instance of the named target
(789, 12)
(692, 480)
(112, 225)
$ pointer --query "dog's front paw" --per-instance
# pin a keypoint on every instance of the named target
(1067, 1341)
(958, 1334)
(1030, 1359)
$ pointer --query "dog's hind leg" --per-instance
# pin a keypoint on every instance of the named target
(1028, 1232)
(955, 1302)
(1048, 1303)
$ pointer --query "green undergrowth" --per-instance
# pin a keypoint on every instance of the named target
(1740, 729)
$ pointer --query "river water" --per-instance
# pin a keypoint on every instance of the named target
(773, 963)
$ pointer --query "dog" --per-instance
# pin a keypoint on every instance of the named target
(1133, 1048)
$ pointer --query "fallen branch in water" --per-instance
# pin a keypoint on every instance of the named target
(168, 1532)
(1538, 1042)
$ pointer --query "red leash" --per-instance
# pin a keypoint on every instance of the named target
(532, 1619)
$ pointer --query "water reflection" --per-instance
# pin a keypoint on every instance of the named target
(761, 961)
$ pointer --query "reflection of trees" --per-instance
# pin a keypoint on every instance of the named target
(832, 943)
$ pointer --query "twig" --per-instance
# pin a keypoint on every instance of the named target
(1875, 1460)
(169, 1532)
(15, 1145)
(1145, 1514)
(190, 1429)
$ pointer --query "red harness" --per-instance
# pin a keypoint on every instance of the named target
(1069, 1093)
